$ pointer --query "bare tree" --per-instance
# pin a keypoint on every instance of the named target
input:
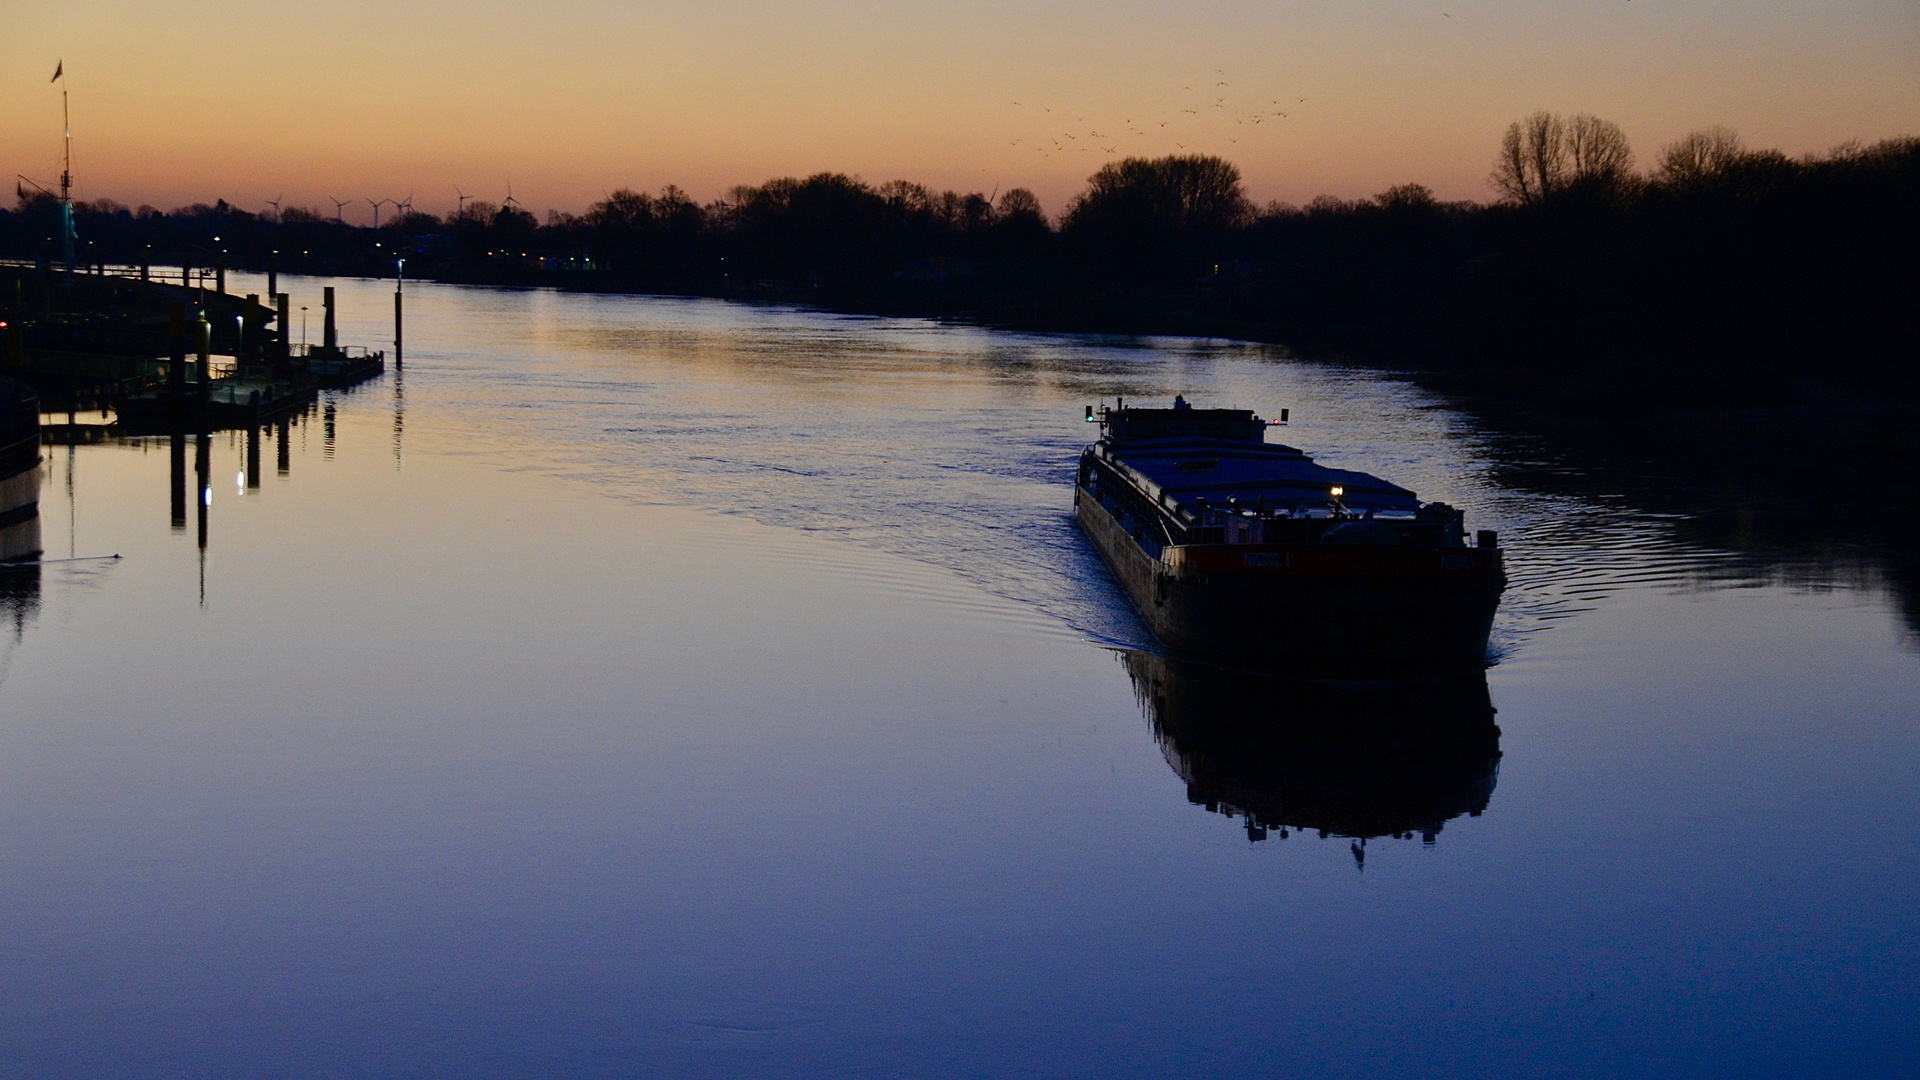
(1545, 153)
(1597, 151)
(1701, 154)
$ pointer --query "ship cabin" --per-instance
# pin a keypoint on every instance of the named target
(1175, 477)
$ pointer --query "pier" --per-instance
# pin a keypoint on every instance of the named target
(164, 355)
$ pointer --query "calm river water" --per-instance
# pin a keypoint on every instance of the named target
(656, 687)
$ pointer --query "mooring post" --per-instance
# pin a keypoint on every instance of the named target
(273, 274)
(252, 324)
(286, 328)
(177, 350)
(203, 341)
(396, 329)
(329, 339)
(220, 273)
(146, 261)
(16, 330)
(186, 271)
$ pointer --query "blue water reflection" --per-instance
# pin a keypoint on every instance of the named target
(645, 687)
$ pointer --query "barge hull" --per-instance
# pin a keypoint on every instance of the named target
(1351, 625)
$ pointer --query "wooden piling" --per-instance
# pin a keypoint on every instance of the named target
(203, 342)
(177, 350)
(331, 338)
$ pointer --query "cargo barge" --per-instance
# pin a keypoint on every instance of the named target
(1250, 553)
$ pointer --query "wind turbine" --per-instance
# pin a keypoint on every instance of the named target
(338, 206)
(510, 200)
(376, 210)
(460, 211)
(275, 203)
(405, 206)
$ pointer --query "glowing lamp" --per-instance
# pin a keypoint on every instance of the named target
(1338, 491)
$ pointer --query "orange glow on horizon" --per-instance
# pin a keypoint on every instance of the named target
(203, 100)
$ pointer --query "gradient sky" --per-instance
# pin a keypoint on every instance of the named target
(194, 100)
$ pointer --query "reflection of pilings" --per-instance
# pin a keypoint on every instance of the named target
(253, 455)
(326, 431)
(282, 441)
(399, 413)
(202, 467)
(203, 470)
(177, 450)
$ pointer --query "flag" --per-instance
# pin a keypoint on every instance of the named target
(58, 67)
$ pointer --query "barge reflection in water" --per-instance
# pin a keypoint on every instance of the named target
(1360, 761)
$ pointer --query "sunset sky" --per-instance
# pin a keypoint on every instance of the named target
(192, 101)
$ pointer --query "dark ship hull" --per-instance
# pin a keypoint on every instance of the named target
(1258, 582)
(19, 472)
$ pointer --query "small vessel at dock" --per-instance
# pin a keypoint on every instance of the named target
(19, 473)
(1251, 553)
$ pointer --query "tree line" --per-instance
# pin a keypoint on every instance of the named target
(1718, 273)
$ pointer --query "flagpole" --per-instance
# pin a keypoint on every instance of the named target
(66, 170)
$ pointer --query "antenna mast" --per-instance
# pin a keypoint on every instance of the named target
(67, 233)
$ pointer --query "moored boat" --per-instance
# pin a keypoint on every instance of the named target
(1250, 552)
(19, 472)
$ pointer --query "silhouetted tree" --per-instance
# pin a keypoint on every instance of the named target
(1700, 155)
(1546, 153)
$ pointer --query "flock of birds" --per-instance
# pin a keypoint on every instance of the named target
(1090, 141)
